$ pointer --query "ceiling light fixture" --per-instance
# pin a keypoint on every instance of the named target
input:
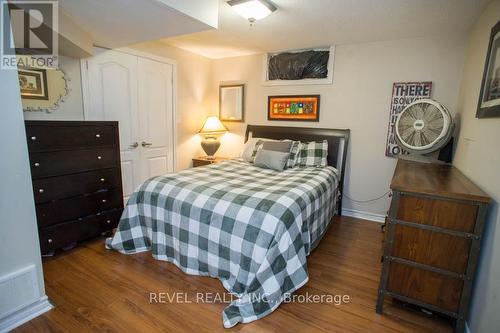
(252, 10)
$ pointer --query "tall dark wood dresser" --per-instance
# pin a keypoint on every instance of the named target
(433, 238)
(77, 185)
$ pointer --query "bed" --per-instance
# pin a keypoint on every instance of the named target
(252, 228)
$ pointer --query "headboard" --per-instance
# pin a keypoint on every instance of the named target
(338, 140)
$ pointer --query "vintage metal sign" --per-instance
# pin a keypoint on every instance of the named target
(403, 93)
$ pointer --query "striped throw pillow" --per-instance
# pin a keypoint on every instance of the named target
(294, 155)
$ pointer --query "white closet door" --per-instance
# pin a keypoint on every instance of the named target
(112, 95)
(156, 115)
(138, 93)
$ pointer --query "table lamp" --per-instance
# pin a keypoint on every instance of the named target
(211, 131)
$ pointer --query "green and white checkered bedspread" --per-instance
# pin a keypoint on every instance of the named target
(250, 227)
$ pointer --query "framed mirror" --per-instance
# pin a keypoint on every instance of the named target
(42, 89)
(231, 100)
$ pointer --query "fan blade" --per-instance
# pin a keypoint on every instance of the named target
(423, 139)
(411, 113)
(419, 111)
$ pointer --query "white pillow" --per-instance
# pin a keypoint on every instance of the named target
(246, 152)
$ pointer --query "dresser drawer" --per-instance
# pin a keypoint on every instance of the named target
(66, 162)
(43, 137)
(62, 234)
(53, 188)
(440, 213)
(73, 208)
(425, 286)
(435, 249)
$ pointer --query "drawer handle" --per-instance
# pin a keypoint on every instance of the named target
(98, 135)
(33, 138)
(104, 200)
(108, 221)
(49, 240)
(103, 180)
(41, 190)
(99, 157)
(37, 164)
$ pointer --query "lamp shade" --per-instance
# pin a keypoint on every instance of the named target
(212, 126)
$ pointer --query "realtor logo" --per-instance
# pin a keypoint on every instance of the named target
(29, 35)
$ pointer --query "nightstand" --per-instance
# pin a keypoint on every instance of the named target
(201, 161)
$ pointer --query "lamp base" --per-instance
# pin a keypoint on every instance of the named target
(210, 145)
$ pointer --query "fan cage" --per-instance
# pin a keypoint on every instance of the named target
(437, 143)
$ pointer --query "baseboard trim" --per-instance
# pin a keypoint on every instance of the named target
(25, 314)
(364, 215)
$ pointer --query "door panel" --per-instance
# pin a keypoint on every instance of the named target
(128, 175)
(113, 94)
(155, 107)
(138, 93)
(156, 165)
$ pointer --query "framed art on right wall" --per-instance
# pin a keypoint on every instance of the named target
(489, 98)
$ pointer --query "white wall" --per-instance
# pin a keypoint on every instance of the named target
(195, 97)
(358, 99)
(19, 246)
(478, 156)
(74, 41)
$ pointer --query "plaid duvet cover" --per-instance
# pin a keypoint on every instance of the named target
(250, 227)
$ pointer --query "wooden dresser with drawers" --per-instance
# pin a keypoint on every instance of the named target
(432, 239)
(77, 185)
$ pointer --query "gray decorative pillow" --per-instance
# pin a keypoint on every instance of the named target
(256, 148)
(281, 146)
(271, 159)
(313, 153)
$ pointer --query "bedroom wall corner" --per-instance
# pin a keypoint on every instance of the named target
(478, 157)
(22, 291)
(359, 99)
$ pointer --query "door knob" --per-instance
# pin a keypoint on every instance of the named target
(134, 145)
(146, 144)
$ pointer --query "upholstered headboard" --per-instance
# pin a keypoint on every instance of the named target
(338, 140)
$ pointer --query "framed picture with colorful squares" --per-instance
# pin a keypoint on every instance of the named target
(293, 107)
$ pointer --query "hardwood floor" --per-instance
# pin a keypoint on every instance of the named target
(94, 289)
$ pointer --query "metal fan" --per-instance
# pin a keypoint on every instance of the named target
(423, 127)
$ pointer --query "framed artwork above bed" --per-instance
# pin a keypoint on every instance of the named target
(299, 67)
(293, 107)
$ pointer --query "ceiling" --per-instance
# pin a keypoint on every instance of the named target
(311, 23)
(116, 23)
